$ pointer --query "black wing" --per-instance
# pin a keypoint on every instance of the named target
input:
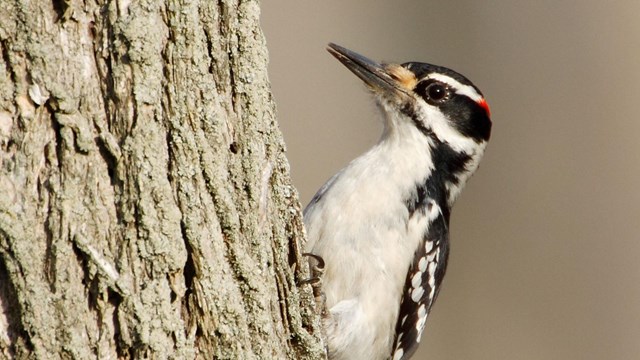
(421, 287)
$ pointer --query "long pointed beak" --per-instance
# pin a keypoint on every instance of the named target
(382, 78)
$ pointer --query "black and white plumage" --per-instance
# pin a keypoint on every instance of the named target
(381, 223)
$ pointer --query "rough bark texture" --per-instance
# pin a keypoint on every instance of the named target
(146, 208)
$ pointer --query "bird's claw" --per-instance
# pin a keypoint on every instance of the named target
(317, 268)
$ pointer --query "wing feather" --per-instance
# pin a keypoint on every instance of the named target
(422, 285)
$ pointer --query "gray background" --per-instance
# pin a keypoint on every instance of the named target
(544, 263)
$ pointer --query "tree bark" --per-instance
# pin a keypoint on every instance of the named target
(146, 208)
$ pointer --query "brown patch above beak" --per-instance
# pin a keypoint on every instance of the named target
(405, 78)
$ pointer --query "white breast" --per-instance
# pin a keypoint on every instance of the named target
(360, 226)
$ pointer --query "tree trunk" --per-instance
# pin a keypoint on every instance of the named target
(146, 208)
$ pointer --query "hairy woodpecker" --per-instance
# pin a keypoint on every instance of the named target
(380, 225)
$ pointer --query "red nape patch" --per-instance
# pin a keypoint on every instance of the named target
(483, 104)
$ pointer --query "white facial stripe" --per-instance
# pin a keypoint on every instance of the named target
(435, 120)
(459, 88)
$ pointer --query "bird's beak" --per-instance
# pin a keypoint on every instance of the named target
(387, 78)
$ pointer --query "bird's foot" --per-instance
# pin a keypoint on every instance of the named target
(317, 267)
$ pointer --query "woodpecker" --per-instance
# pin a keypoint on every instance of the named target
(380, 226)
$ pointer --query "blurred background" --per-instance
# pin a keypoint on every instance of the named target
(545, 260)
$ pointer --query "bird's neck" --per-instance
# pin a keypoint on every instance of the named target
(426, 165)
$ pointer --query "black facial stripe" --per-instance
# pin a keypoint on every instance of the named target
(468, 117)
(448, 165)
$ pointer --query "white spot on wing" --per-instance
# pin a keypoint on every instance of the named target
(422, 311)
(422, 320)
(416, 280)
(420, 327)
(422, 264)
(416, 294)
(428, 246)
(398, 354)
(432, 269)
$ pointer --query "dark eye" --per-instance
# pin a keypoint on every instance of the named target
(436, 92)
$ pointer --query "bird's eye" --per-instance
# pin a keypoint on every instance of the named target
(433, 91)
(436, 92)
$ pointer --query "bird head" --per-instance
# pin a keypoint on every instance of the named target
(441, 103)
